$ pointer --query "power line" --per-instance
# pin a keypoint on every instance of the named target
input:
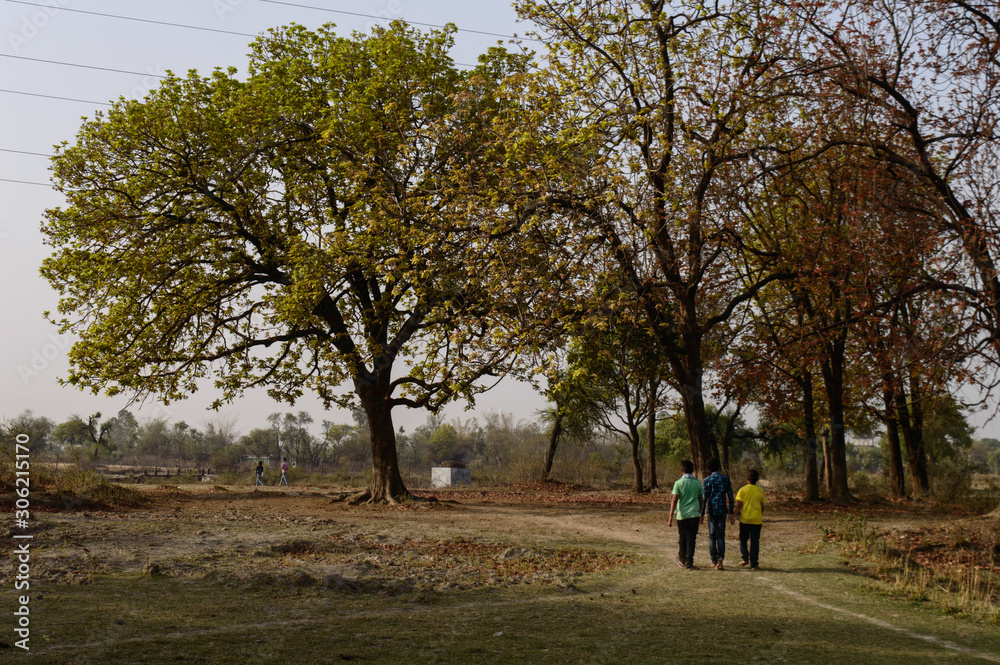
(133, 18)
(196, 27)
(383, 18)
(247, 34)
(65, 99)
(74, 64)
(27, 182)
(25, 152)
(190, 27)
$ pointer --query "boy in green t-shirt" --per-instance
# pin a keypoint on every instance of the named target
(750, 508)
(686, 504)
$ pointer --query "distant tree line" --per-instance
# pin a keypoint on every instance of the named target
(498, 448)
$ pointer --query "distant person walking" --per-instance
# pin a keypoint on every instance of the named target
(750, 509)
(719, 506)
(260, 474)
(284, 472)
(686, 503)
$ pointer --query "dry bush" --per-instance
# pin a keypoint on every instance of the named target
(68, 486)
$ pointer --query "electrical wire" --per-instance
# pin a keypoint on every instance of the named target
(247, 34)
(27, 182)
(133, 18)
(176, 25)
(74, 64)
(26, 152)
(383, 18)
(65, 99)
(192, 27)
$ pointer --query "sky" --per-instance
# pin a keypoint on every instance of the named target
(113, 48)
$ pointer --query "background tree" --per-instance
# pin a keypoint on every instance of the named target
(924, 74)
(671, 102)
(984, 454)
(569, 416)
(673, 445)
(220, 437)
(261, 442)
(947, 433)
(295, 229)
(774, 363)
(184, 442)
(613, 377)
(296, 441)
(38, 429)
(79, 433)
(335, 436)
(123, 433)
(442, 446)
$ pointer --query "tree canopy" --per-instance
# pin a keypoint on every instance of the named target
(300, 229)
(775, 194)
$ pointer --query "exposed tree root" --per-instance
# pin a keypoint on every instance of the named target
(367, 497)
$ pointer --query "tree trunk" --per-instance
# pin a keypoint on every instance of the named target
(636, 461)
(697, 429)
(727, 435)
(550, 454)
(651, 435)
(687, 371)
(833, 378)
(902, 412)
(386, 484)
(918, 455)
(897, 485)
(839, 491)
(824, 469)
(915, 454)
(809, 418)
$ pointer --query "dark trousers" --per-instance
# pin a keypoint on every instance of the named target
(750, 532)
(717, 537)
(687, 530)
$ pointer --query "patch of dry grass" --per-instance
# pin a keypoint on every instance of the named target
(954, 568)
(68, 488)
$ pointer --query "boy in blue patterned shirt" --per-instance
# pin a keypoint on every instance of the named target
(719, 504)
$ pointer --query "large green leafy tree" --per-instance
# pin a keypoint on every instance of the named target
(297, 229)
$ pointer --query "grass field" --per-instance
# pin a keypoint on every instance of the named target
(222, 575)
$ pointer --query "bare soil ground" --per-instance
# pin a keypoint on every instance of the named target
(310, 535)
(236, 560)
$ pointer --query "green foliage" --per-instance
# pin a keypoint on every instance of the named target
(298, 228)
(947, 433)
(672, 436)
(77, 434)
(441, 445)
(38, 429)
(72, 433)
(613, 370)
(984, 455)
(672, 439)
(853, 529)
(773, 439)
(865, 458)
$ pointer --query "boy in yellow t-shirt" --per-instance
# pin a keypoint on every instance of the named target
(750, 508)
